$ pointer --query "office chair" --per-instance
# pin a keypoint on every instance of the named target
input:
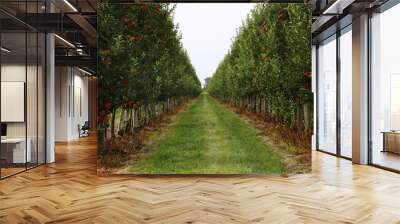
(84, 130)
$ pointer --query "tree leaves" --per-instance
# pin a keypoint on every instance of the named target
(141, 58)
(271, 58)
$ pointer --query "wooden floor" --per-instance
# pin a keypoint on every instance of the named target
(387, 159)
(69, 191)
(5, 172)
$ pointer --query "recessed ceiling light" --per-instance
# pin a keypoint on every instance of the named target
(64, 40)
(5, 50)
(337, 7)
(84, 71)
(70, 5)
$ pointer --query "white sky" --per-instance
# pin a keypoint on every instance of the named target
(207, 30)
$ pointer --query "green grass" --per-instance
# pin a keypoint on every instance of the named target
(209, 139)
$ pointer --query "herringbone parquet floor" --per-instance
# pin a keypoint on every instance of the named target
(69, 191)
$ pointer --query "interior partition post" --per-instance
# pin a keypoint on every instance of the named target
(338, 76)
(0, 95)
(314, 91)
(317, 97)
(37, 91)
(26, 87)
(50, 92)
(369, 37)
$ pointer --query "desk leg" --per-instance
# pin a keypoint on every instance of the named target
(384, 142)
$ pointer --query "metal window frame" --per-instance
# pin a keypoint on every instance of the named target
(318, 94)
(386, 6)
(339, 32)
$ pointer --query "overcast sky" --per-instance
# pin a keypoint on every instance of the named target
(207, 30)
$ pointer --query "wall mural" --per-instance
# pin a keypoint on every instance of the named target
(252, 116)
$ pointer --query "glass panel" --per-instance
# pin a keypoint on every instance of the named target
(31, 98)
(13, 86)
(346, 93)
(327, 96)
(23, 90)
(385, 92)
(32, 88)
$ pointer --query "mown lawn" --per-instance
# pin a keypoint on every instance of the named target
(209, 139)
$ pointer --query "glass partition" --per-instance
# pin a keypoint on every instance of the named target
(385, 89)
(346, 92)
(327, 95)
(22, 98)
(31, 99)
(13, 90)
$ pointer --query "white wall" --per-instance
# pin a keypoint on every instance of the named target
(62, 82)
(80, 89)
(71, 94)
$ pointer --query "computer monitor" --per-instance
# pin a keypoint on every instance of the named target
(3, 129)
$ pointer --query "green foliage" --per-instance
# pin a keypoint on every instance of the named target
(141, 58)
(270, 58)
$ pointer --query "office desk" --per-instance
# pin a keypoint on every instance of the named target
(13, 150)
(391, 141)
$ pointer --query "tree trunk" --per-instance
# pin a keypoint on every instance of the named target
(263, 106)
(140, 116)
(128, 128)
(254, 103)
(307, 116)
(124, 122)
(113, 123)
(299, 120)
(135, 118)
(145, 112)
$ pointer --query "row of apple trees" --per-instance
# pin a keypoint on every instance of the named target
(267, 69)
(143, 69)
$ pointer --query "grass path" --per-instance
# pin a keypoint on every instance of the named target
(209, 139)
